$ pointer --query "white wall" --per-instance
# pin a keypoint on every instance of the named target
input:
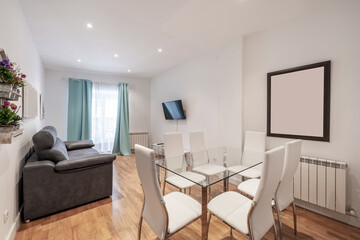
(210, 88)
(331, 33)
(18, 44)
(56, 98)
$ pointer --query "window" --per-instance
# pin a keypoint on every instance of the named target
(104, 113)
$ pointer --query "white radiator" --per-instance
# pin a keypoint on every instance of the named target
(141, 138)
(321, 182)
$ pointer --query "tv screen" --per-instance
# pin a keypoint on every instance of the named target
(173, 110)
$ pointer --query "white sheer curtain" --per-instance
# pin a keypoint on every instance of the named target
(104, 113)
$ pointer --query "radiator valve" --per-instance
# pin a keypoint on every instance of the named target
(351, 211)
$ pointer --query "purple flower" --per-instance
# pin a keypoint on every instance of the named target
(13, 107)
(6, 104)
(6, 61)
(7, 66)
(2, 63)
(23, 76)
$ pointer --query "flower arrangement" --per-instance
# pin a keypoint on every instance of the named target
(11, 74)
(8, 114)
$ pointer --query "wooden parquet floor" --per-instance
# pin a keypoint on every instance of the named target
(117, 217)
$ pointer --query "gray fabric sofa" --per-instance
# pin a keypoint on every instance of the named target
(61, 175)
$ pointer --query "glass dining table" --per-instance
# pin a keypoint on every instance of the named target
(209, 161)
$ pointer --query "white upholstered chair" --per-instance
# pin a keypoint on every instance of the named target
(200, 156)
(284, 196)
(164, 214)
(254, 217)
(175, 159)
(254, 150)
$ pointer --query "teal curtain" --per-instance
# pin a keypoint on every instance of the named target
(79, 109)
(122, 138)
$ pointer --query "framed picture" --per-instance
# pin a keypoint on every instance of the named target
(41, 107)
(298, 102)
(2, 54)
(30, 104)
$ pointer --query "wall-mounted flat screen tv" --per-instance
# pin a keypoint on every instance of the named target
(173, 110)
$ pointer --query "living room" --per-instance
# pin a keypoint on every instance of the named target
(214, 56)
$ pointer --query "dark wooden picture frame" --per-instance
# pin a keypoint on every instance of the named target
(2, 54)
(290, 115)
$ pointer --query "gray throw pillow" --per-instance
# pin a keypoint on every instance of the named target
(45, 139)
(56, 154)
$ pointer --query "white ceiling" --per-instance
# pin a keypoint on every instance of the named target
(135, 29)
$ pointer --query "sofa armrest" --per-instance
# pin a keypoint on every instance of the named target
(73, 145)
(84, 162)
(39, 166)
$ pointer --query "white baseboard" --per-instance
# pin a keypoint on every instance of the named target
(350, 220)
(14, 227)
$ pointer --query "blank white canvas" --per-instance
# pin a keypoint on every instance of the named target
(297, 103)
(30, 101)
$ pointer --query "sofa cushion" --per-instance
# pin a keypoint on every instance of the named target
(73, 145)
(85, 162)
(44, 139)
(56, 154)
(82, 153)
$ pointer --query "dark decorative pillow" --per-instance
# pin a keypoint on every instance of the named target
(73, 145)
(56, 154)
(44, 139)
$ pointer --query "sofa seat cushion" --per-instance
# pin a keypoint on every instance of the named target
(56, 154)
(82, 153)
(85, 162)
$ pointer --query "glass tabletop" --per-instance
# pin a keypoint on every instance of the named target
(210, 166)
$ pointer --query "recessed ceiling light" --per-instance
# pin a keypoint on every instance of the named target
(160, 50)
(89, 25)
(115, 55)
(129, 70)
(79, 60)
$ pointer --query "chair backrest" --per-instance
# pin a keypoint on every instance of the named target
(261, 218)
(173, 144)
(174, 151)
(254, 147)
(285, 192)
(197, 147)
(154, 212)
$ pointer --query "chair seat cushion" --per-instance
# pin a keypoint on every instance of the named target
(182, 210)
(253, 172)
(210, 169)
(233, 208)
(237, 168)
(181, 182)
(249, 187)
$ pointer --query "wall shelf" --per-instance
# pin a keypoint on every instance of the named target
(10, 137)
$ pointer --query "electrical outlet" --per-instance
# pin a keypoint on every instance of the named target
(6, 215)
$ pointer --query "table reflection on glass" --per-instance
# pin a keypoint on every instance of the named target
(208, 161)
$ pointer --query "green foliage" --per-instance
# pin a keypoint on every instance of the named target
(11, 74)
(8, 114)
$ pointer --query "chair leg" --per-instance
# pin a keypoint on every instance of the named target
(140, 225)
(294, 216)
(208, 226)
(189, 190)
(231, 234)
(279, 218)
(275, 231)
(163, 192)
